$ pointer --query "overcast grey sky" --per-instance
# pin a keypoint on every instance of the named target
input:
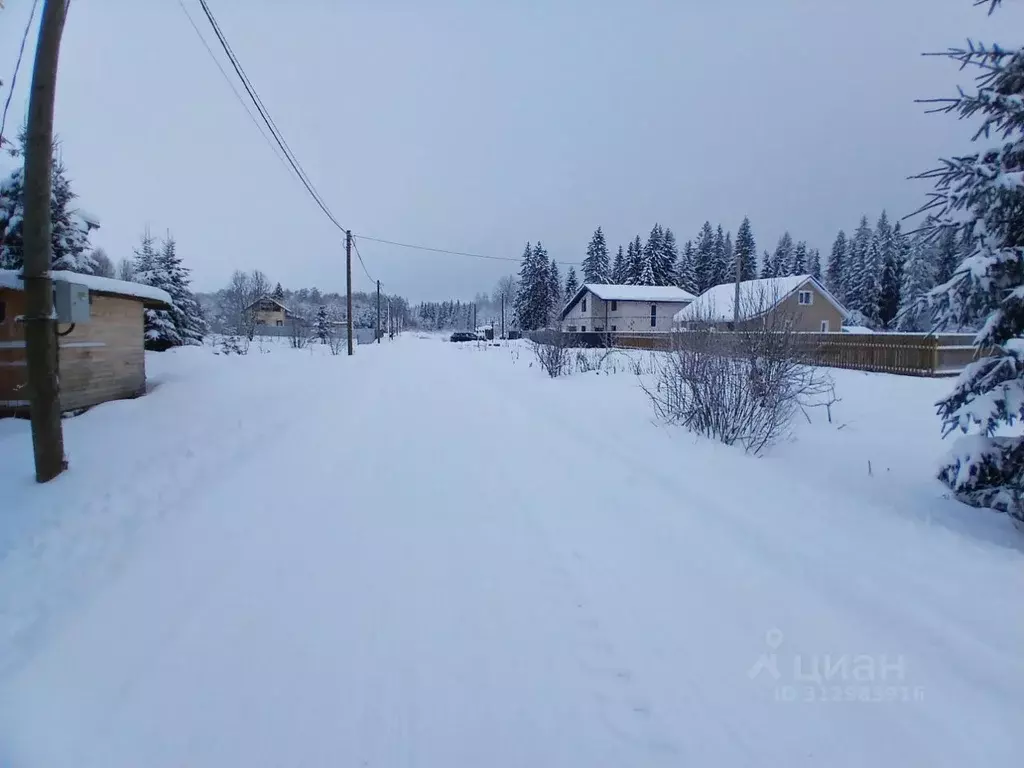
(477, 126)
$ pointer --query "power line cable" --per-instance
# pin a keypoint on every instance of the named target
(17, 66)
(265, 115)
(296, 166)
(454, 253)
(361, 262)
(234, 90)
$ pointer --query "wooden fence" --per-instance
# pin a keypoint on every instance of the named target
(912, 354)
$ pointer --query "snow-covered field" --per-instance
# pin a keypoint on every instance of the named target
(434, 555)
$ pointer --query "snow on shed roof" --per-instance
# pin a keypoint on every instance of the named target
(607, 292)
(150, 296)
(716, 304)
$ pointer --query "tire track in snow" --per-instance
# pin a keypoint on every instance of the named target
(142, 495)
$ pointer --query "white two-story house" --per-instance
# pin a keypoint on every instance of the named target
(623, 308)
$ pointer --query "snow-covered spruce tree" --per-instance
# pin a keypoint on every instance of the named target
(69, 234)
(835, 275)
(948, 252)
(918, 280)
(634, 262)
(522, 303)
(667, 256)
(798, 266)
(782, 259)
(651, 256)
(322, 324)
(721, 273)
(571, 284)
(12, 195)
(619, 269)
(869, 277)
(595, 266)
(730, 259)
(983, 194)
(766, 265)
(746, 250)
(555, 298)
(104, 266)
(185, 314)
(891, 281)
(686, 278)
(543, 299)
(814, 263)
(856, 264)
(160, 330)
(704, 258)
(278, 293)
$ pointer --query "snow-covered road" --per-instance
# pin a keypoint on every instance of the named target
(431, 555)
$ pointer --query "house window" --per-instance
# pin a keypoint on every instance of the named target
(598, 327)
(654, 315)
(824, 326)
(806, 298)
(583, 304)
(614, 328)
(583, 328)
(571, 329)
(3, 311)
(279, 323)
(615, 306)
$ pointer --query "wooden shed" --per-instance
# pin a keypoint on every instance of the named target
(100, 358)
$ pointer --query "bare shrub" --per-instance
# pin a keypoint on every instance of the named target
(337, 339)
(741, 385)
(554, 352)
(298, 333)
(592, 358)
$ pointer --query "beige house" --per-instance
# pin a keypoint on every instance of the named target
(267, 310)
(802, 299)
(623, 308)
(100, 355)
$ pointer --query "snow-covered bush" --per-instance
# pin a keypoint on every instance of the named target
(231, 344)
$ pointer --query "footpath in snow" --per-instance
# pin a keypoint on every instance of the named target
(432, 554)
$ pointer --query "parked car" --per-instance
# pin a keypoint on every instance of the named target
(463, 336)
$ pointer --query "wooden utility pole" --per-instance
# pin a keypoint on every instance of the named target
(736, 295)
(503, 315)
(40, 326)
(348, 284)
(378, 311)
